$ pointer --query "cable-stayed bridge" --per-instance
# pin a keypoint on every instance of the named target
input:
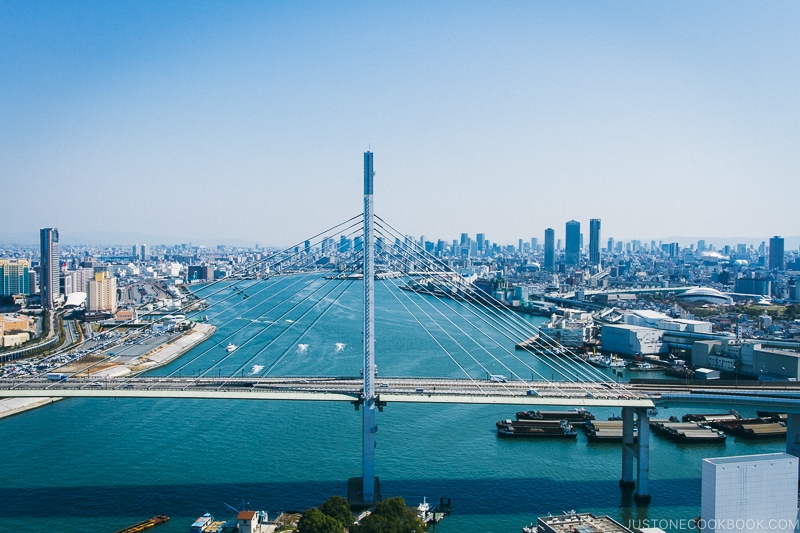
(440, 339)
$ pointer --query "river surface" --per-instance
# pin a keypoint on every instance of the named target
(89, 464)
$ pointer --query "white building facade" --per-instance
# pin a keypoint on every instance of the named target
(749, 493)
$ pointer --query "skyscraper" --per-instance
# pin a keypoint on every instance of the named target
(594, 241)
(49, 267)
(572, 253)
(549, 249)
(776, 253)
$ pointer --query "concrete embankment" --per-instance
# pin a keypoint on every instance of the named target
(13, 406)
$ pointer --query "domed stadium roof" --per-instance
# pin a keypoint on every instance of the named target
(705, 294)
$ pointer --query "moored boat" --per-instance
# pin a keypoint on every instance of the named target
(230, 347)
(201, 524)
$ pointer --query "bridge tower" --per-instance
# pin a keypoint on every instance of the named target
(369, 482)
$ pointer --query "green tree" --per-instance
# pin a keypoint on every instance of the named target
(390, 516)
(315, 521)
(338, 508)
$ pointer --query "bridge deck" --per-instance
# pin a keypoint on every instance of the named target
(407, 390)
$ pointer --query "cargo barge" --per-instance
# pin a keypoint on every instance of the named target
(688, 432)
(141, 526)
(516, 428)
(574, 415)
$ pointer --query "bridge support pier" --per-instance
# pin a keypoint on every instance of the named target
(628, 452)
(642, 494)
(639, 449)
(793, 434)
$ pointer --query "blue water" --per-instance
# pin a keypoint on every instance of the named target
(100, 464)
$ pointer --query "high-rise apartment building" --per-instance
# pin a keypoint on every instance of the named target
(549, 249)
(14, 277)
(572, 253)
(749, 493)
(49, 281)
(101, 293)
(776, 254)
(594, 241)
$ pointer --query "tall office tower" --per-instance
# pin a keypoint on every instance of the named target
(594, 241)
(481, 238)
(519, 246)
(49, 266)
(701, 245)
(572, 254)
(749, 493)
(101, 293)
(776, 253)
(14, 277)
(465, 244)
(549, 249)
(307, 247)
(610, 245)
(534, 244)
(145, 251)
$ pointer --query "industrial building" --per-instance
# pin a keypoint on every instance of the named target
(748, 358)
(632, 340)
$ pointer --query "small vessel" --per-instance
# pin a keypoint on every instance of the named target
(424, 510)
(643, 366)
(201, 524)
(610, 361)
(230, 347)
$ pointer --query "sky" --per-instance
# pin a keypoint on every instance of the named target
(212, 122)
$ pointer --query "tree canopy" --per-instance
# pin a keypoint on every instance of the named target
(338, 508)
(390, 516)
(315, 521)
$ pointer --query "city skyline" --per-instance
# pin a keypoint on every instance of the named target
(247, 123)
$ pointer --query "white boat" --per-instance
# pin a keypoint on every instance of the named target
(231, 347)
(426, 513)
(643, 366)
(606, 362)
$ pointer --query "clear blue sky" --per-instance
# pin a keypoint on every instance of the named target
(211, 121)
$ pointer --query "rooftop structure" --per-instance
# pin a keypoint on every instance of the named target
(579, 522)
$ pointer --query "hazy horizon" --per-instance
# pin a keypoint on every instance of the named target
(248, 121)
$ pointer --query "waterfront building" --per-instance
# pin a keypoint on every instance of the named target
(14, 277)
(198, 273)
(49, 273)
(594, 242)
(573, 244)
(549, 250)
(749, 493)
(776, 254)
(101, 293)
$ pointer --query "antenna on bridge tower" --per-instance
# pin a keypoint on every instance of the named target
(369, 482)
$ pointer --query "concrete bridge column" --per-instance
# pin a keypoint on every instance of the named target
(793, 434)
(643, 455)
(628, 451)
